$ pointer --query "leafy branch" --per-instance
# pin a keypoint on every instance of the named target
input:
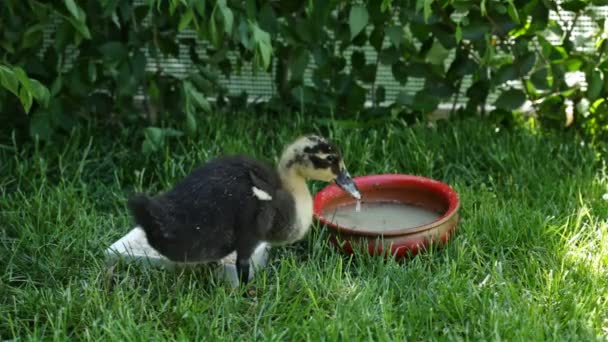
(109, 45)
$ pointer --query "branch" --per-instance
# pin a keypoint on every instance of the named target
(571, 28)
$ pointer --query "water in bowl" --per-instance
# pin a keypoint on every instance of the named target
(380, 216)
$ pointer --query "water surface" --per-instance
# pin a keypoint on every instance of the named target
(380, 216)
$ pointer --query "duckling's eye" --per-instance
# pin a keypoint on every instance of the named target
(331, 158)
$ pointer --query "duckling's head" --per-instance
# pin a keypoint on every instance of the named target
(317, 158)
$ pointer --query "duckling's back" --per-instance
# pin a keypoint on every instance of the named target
(209, 214)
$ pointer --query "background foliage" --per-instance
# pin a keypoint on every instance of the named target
(103, 61)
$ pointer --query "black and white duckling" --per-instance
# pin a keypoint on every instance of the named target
(234, 203)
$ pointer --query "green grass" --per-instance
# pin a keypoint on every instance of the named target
(529, 261)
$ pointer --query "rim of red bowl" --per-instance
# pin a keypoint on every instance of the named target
(368, 181)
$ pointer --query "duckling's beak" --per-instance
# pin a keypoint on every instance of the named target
(345, 181)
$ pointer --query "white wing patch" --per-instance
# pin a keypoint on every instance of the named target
(261, 194)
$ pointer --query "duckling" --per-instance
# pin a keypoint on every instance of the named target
(234, 203)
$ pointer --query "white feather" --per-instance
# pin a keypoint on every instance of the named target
(261, 194)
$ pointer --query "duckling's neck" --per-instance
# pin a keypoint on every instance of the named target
(293, 181)
(296, 185)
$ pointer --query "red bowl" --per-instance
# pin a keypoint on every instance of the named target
(407, 189)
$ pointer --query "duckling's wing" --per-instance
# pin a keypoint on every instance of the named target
(275, 218)
(262, 185)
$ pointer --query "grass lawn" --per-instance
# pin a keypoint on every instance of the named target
(529, 261)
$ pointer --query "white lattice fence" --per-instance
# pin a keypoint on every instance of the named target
(261, 84)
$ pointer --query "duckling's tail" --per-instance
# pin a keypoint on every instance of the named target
(149, 214)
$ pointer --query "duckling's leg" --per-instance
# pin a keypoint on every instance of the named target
(243, 256)
(242, 269)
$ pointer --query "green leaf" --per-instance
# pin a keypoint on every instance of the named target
(421, 70)
(552, 108)
(138, 65)
(114, 50)
(357, 20)
(438, 87)
(526, 63)
(299, 63)
(376, 38)
(56, 86)
(478, 92)
(573, 64)
(462, 6)
(26, 99)
(505, 73)
(172, 132)
(155, 137)
(304, 94)
(437, 54)
(261, 39)
(109, 7)
(360, 40)
(41, 125)
(147, 147)
(32, 36)
(23, 79)
(8, 80)
(80, 26)
(357, 59)
(198, 98)
(245, 36)
(172, 6)
(574, 5)
(214, 35)
(595, 79)
(92, 71)
(199, 6)
(540, 79)
(191, 125)
(64, 33)
(367, 73)
(389, 55)
(404, 99)
(40, 92)
(596, 106)
(355, 98)
(74, 9)
(424, 101)
(426, 7)
(185, 20)
(251, 9)
(476, 30)
(399, 70)
(395, 35)
(126, 83)
(427, 10)
(461, 66)
(227, 16)
(30, 89)
(510, 99)
(8, 46)
(512, 11)
(386, 5)
(380, 94)
(267, 19)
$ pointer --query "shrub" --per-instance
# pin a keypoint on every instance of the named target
(492, 56)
